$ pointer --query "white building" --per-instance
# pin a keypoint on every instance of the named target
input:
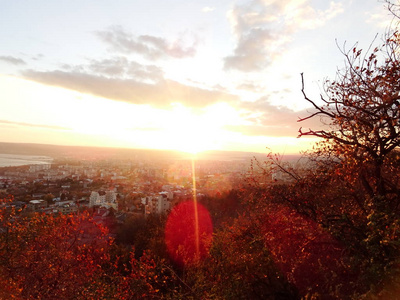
(168, 194)
(102, 198)
(37, 205)
(39, 167)
(158, 204)
(94, 199)
(111, 197)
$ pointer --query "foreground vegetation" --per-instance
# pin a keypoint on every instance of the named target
(333, 232)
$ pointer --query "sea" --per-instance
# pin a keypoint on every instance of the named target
(15, 160)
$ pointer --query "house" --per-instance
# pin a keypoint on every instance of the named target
(37, 205)
(66, 207)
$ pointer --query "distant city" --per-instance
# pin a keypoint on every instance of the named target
(64, 179)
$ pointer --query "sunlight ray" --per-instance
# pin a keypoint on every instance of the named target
(196, 214)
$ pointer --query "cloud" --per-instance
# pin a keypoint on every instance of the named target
(208, 9)
(150, 47)
(138, 128)
(12, 60)
(263, 28)
(161, 93)
(304, 16)
(265, 119)
(5, 122)
(38, 56)
(250, 86)
(121, 67)
(383, 19)
(118, 67)
(119, 78)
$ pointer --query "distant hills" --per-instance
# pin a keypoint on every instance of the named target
(92, 153)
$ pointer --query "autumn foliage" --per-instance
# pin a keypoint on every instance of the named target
(188, 233)
(331, 232)
(69, 257)
(45, 256)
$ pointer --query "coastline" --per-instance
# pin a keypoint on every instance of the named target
(16, 160)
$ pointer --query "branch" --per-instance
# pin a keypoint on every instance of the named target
(319, 109)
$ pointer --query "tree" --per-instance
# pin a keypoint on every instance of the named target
(360, 111)
(239, 265)
(361, 108)
(50, 256)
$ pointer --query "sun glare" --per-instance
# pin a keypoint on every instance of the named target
(178, 128)
(195, 136)
(196, 132)
(103, 122)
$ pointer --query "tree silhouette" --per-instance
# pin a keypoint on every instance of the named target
(360, 116)
(361, 111)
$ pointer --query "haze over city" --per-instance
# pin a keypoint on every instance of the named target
(243, 149)
(182, 75)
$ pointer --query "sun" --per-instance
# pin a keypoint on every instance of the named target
(191, 130)
(193, 136)
(195, 132)
(194, 143)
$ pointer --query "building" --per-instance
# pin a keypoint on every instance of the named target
(66, 207)
(94, 199)
(39, 167)
(37, 205)
(158, 204)
(105, 199)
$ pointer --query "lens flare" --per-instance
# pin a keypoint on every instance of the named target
(186, 241)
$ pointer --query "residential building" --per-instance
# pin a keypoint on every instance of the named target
(37, 205)
(157, 204)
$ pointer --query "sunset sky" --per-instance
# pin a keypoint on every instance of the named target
(175, 74)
